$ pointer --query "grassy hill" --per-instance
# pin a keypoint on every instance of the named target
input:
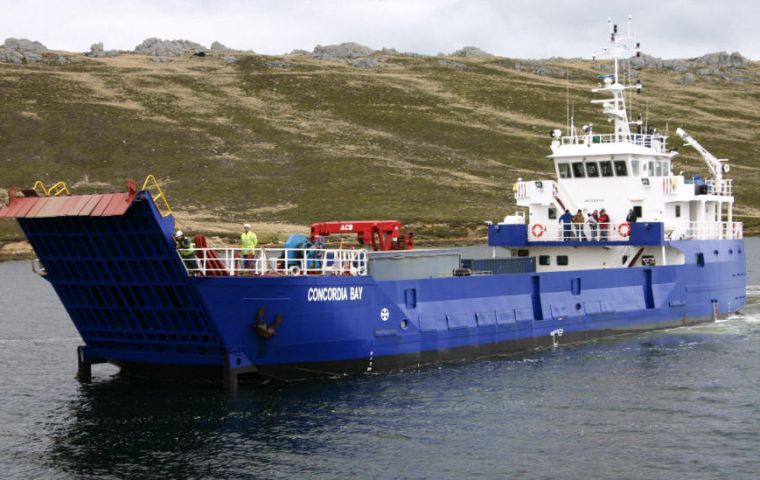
(285, 141)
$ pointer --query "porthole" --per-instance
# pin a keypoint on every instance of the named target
(715, 252)
(404, 324)
(578, 307)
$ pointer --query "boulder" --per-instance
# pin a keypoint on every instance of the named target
(24, 45)
(156, 47)
(471, 52)
(97, 51)
(342, 51)
(219, 47)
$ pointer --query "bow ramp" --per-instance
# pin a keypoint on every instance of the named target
(111, 260)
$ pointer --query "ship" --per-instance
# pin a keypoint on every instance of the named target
(655, 250)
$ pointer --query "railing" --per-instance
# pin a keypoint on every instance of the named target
(704, 230)
(274, 261)
(655, 141)
(726, 187)
(579, 232)
(151, 184)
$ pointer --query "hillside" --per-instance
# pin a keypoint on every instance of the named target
(284, 141)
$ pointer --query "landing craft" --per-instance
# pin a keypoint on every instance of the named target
(647, 250)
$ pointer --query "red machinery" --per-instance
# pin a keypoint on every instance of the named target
(381, 234)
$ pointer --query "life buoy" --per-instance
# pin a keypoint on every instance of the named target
(624, 229)
(537, 230)
(295, 270)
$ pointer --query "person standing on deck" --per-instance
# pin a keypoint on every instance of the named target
(567, 220)
(186, 250)
(248, 241)
(578, 224)
(593, 223)
(604, 225)
(631, 218)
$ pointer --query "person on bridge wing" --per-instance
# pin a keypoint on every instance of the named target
(631, 217)
(567, 220)
(593, 223)
(604, 225)
(578, 223)
(248, 241)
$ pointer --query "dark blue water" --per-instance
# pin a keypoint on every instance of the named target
(675, 404)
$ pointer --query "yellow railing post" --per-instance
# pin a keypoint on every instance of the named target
(55, 189)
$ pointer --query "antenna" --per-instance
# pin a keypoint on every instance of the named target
(567, 99)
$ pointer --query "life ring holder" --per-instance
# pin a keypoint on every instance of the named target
(624, 229)
(537, 230)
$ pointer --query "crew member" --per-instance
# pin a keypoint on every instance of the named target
(593, 223)
(248, 241)
(604, 225)
(186, 251)
(631, 217)
(578, 222)
(567, 220)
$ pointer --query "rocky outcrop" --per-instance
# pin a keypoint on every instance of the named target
(156, 47)
(21, 50)
(722, 59)
(342, 51)
(219, 47)
(471, 52)
(97, 51)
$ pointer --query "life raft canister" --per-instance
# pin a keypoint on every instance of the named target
(537, 230)
(624, 229)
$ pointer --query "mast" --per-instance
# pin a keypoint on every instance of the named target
(615, 107)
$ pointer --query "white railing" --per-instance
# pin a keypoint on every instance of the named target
(726, 187)
(655, 141)
(578, 232)
(274, 261)
(704, 230)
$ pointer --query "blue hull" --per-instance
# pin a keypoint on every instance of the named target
(129, 296)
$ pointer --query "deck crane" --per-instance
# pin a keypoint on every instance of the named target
(383, 235)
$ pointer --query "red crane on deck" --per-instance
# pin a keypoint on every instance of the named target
(383, 235)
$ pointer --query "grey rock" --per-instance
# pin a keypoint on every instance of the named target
(366, 62)
(168, 48)
(219, 47)
(471, 52)
(24, 45)
(11, 56)
(342, 51)
(723, 59)
(688, 79)
(97, 51)
(299, 51)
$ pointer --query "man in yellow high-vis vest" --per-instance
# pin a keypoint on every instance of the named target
(248, 241)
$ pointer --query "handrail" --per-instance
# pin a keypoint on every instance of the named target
(151, 182)
(274, 261)
(649, 140)
(579, 232)
(704, 230)
(55, 189)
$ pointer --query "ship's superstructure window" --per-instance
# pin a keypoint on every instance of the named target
(562, 260)
(635, 168)
(564, 170)
(578, 170)
(592, 169)
(606, 168)
(657, 169)
(544, 260)
(678, 210)
(620, 168)
(552, 213)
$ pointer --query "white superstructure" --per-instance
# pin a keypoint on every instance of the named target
(628, 169)
(627, 172)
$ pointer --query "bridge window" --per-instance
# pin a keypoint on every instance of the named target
(657, 169)
(564, 170)
(592, 169)
(606, 168)
(620, 168)
(635, 168)
(578, 170)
